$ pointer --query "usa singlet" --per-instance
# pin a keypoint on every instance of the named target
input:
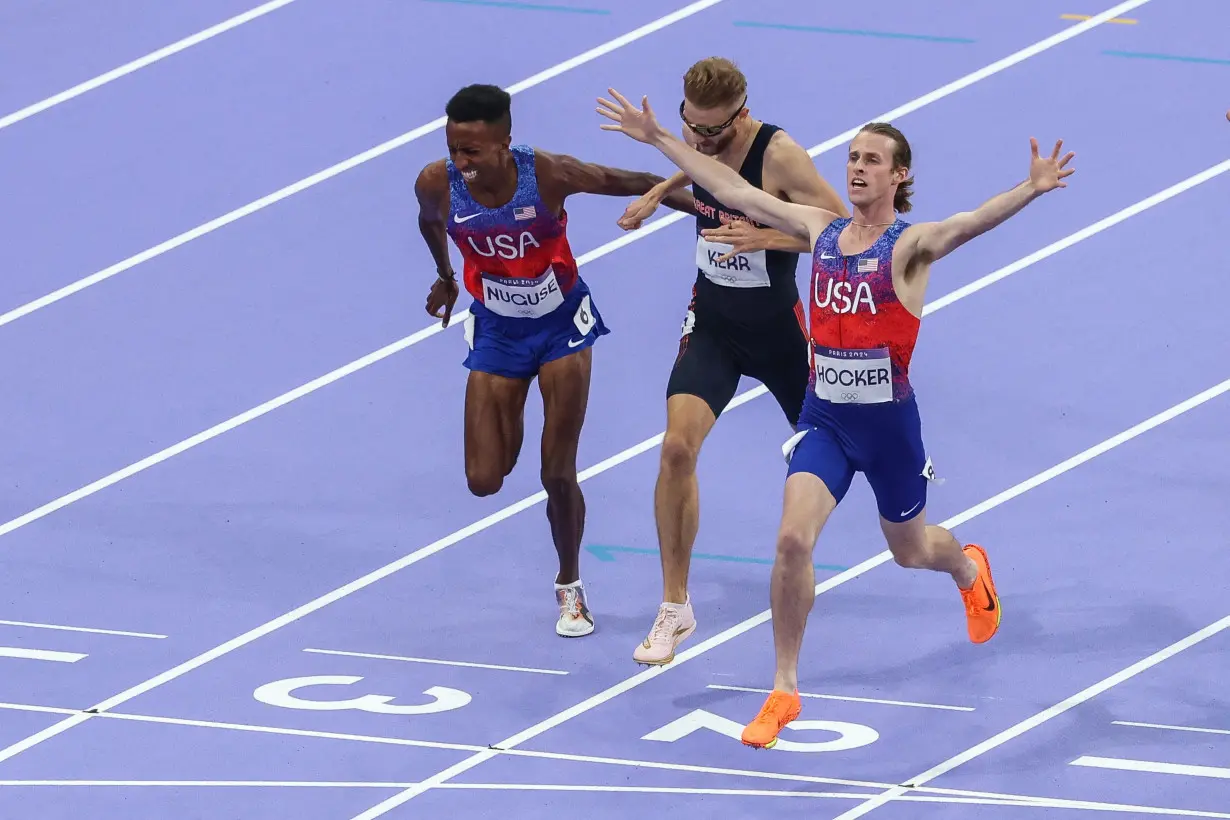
(530, 303)
(861, 413)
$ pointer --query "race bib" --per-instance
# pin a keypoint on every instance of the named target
(584, 317)
(744, 270)
(853, 376)
(522, 298)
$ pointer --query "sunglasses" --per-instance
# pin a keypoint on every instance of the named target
(710, 130)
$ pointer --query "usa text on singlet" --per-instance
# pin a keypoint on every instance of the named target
(518, 262)
(862, 337)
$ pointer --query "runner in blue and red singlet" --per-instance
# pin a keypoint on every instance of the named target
(869, 276)
(532, 315)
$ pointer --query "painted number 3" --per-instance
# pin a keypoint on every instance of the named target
(282, 693)
(849, 735)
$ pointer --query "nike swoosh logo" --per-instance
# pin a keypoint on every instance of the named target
(458, 218)
(575, 342)
(827, 256)
(911, 509)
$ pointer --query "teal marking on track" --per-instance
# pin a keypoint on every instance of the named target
(508, 4)
(606, 552)
(1144, 55)
(895, 35)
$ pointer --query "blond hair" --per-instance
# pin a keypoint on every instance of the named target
(714, 82)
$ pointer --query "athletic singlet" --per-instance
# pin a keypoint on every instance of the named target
(750, 286)
(862, 337)
(517, 259)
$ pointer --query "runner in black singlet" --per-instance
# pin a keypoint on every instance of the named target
(745, 316)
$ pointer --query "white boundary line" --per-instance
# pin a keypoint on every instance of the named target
(1042, 717)
(735, 631)
(345, 165)
(437, 661)
(91, 630)
(726, 773)
(438, 545)
(851, 698)
(141, 62)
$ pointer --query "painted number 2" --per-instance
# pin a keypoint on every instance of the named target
(282, 693)
(849, 735)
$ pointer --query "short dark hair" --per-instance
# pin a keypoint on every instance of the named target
(902, 158)
(481, 103)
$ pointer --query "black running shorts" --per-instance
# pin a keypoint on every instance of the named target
(715, 352)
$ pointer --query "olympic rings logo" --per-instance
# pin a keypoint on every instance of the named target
(849, 396)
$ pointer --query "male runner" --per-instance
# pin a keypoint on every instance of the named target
(745, 317)
(869, 275)
(532, 315)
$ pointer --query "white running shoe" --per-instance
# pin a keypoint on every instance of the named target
(674, 624)
(574, 618)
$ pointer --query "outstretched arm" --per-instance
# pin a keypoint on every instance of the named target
(569, 175)
(935, 240)
(724, 183)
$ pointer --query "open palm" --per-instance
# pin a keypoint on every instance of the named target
(1048, 173)
(638, 123)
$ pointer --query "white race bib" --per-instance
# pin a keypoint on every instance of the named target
(522, 298)
(854, 376)
(744, 270)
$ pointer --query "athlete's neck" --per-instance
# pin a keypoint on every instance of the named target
(735, 153)
(496, 186)
(873, 217)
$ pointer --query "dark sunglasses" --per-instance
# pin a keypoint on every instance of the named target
(710, 130)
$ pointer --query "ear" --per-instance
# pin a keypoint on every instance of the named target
(901, 174)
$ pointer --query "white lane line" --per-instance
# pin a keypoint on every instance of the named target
(1042, 717)
(343, 166)
(733, 632)
(142, 62)
(62, 628)
(470, 664)
(395, 347)
(726, 773)
(372, 577)
(40, 654)
(1172, 728)
(852, 698)
(1124, 764)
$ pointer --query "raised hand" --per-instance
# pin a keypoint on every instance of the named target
(1048, 173)
(638, 123)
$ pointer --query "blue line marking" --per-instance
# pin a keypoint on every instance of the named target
(606, 552)
(1141, 55)
(508, 4)
(857, 32)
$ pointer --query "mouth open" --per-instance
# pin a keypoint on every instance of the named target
(858, 183)
(469, 175)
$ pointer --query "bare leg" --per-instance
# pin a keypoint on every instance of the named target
(564, 384)
(808, 505)
(676, 501)
(917, 545)
(494, 427)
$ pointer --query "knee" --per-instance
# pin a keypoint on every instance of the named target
(484, 481)
(679, 454)
(911, 557)
(558, 482)
(794, 546)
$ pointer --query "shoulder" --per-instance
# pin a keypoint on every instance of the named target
(784, 152)
(433, 179)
